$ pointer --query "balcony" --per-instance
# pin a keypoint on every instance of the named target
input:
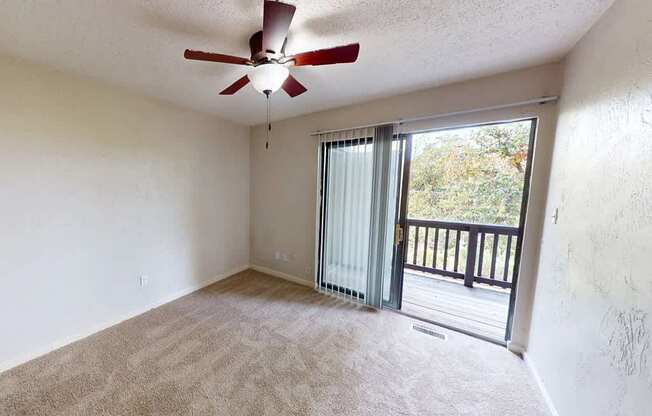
(460, 274)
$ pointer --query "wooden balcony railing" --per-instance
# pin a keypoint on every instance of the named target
(474, 252)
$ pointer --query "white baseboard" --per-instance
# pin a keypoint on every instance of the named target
(285, 276)
(28, 356)
(546, 397)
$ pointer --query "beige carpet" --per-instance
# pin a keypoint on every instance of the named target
(257, 345)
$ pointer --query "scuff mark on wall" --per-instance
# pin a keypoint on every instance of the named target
(627, 277)
(646, 114)
(569, 251)
(628, 340)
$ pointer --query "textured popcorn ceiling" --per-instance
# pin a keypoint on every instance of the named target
(405, 44)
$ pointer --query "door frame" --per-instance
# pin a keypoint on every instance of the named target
(521, 226)
(399, 253)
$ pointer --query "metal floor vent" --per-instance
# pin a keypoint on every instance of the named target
(429, 331)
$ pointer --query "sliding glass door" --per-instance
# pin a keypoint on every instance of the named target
(359, 180)
(462, 212)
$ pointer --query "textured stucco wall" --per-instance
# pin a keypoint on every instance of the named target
(591, 329)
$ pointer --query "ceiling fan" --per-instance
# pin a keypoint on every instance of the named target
(268, 59)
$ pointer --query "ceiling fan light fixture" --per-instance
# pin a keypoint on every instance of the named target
(268, 77)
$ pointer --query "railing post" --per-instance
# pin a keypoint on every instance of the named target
(469, 271)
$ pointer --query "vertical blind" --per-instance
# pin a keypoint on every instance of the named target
(347, 159)
(357, 179)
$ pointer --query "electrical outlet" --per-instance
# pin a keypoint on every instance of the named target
(277, 255)
(144, 280)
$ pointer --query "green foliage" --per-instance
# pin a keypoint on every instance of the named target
(470, 175)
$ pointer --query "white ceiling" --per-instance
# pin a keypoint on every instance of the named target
(406, 45)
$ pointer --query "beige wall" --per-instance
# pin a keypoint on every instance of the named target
(283, 178)
(99, 186)
(592, 320)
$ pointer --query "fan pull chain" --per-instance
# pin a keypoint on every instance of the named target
(269, 124)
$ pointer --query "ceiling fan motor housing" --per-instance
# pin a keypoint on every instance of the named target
(258, 55)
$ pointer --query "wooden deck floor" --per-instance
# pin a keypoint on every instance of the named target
(479, 310)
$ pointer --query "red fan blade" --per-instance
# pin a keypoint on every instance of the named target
(215, 57)
(338, 55)
(235, 87)
(293, 87)
(276, 23)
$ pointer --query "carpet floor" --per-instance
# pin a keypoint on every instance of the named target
(257, 345)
